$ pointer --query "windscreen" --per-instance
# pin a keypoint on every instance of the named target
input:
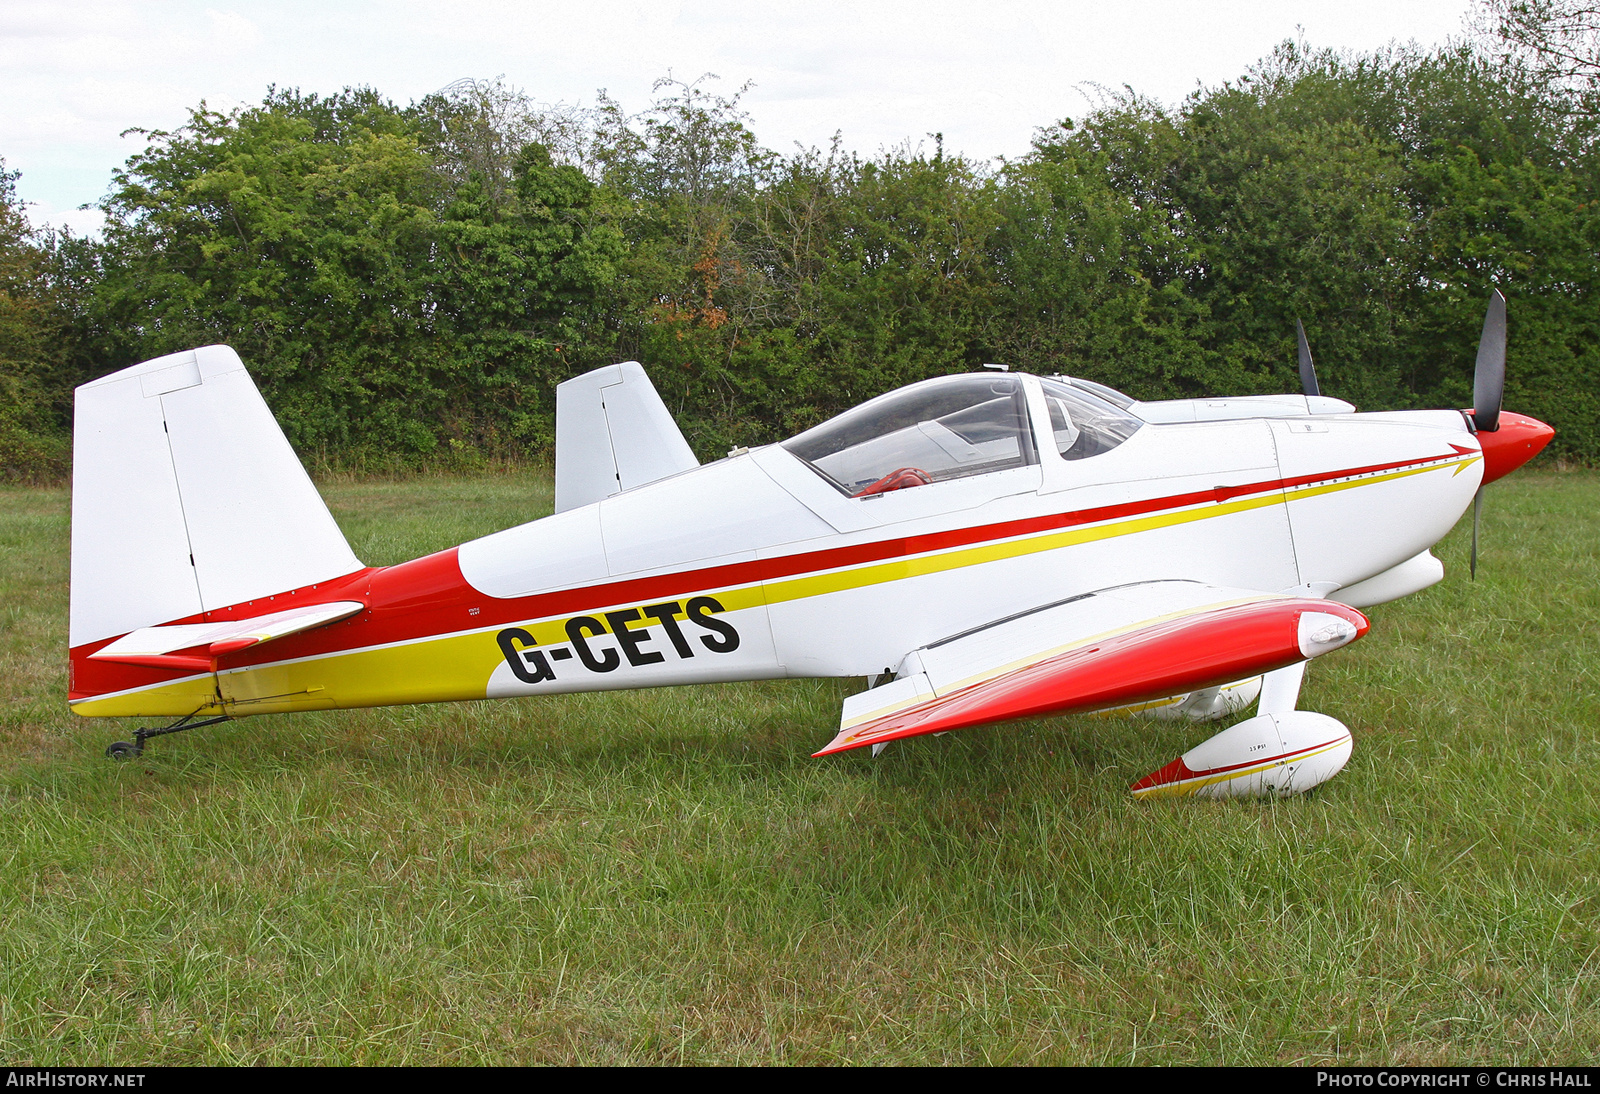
(1107, 394)
(1084, 424)
(939, 429)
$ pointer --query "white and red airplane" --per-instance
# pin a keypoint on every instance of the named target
(985, 547)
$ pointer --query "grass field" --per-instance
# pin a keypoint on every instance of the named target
(668, 876)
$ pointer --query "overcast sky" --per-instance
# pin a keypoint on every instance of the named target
(74, 75)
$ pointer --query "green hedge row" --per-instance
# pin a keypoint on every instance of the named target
(408, 284)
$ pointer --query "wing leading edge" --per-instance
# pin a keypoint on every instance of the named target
(1118, 646)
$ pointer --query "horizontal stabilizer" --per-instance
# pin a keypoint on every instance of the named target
(155, 645)
(1111, 648)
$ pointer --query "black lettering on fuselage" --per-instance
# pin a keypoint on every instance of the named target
(528, 665)
(534, 666)
(667, 615)
(576, 626)
(630, 641)
(699, 610)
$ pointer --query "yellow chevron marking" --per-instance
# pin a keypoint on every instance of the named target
(1350, 484)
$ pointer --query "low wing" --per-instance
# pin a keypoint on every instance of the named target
(1128, 644)
(155, 645)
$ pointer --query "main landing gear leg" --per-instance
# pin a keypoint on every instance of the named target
(127, 750)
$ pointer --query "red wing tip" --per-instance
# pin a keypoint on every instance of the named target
(1355, 617)
(231, 645)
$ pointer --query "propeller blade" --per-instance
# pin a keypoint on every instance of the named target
(1308, 371)
(1477, 514)
(1489, 376)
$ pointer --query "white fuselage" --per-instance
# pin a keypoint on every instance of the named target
(809, 582)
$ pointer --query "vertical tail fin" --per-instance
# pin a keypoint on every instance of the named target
(186, 498)
(613, 433)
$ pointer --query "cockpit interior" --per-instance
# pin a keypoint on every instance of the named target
(953, 427)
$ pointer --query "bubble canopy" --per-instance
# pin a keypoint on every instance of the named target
(949, 428)
(940, 429)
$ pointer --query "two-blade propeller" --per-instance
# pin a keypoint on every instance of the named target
(1488, 391)
(1489, 376)
(1488, 387)
(1308, 371)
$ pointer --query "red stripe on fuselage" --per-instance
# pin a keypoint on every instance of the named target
(428, 597)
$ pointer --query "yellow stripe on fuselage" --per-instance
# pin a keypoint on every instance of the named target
(440, 668)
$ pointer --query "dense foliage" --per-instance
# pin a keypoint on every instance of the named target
(33, 377)
(408, 284)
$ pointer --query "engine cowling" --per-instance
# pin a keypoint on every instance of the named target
(1271, 755)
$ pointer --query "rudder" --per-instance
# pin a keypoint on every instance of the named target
(186, 498)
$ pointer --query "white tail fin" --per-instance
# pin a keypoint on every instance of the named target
(613, 433)
(186, 497)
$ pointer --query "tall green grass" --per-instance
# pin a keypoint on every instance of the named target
(667, 876)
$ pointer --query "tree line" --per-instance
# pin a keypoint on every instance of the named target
(409, 283)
